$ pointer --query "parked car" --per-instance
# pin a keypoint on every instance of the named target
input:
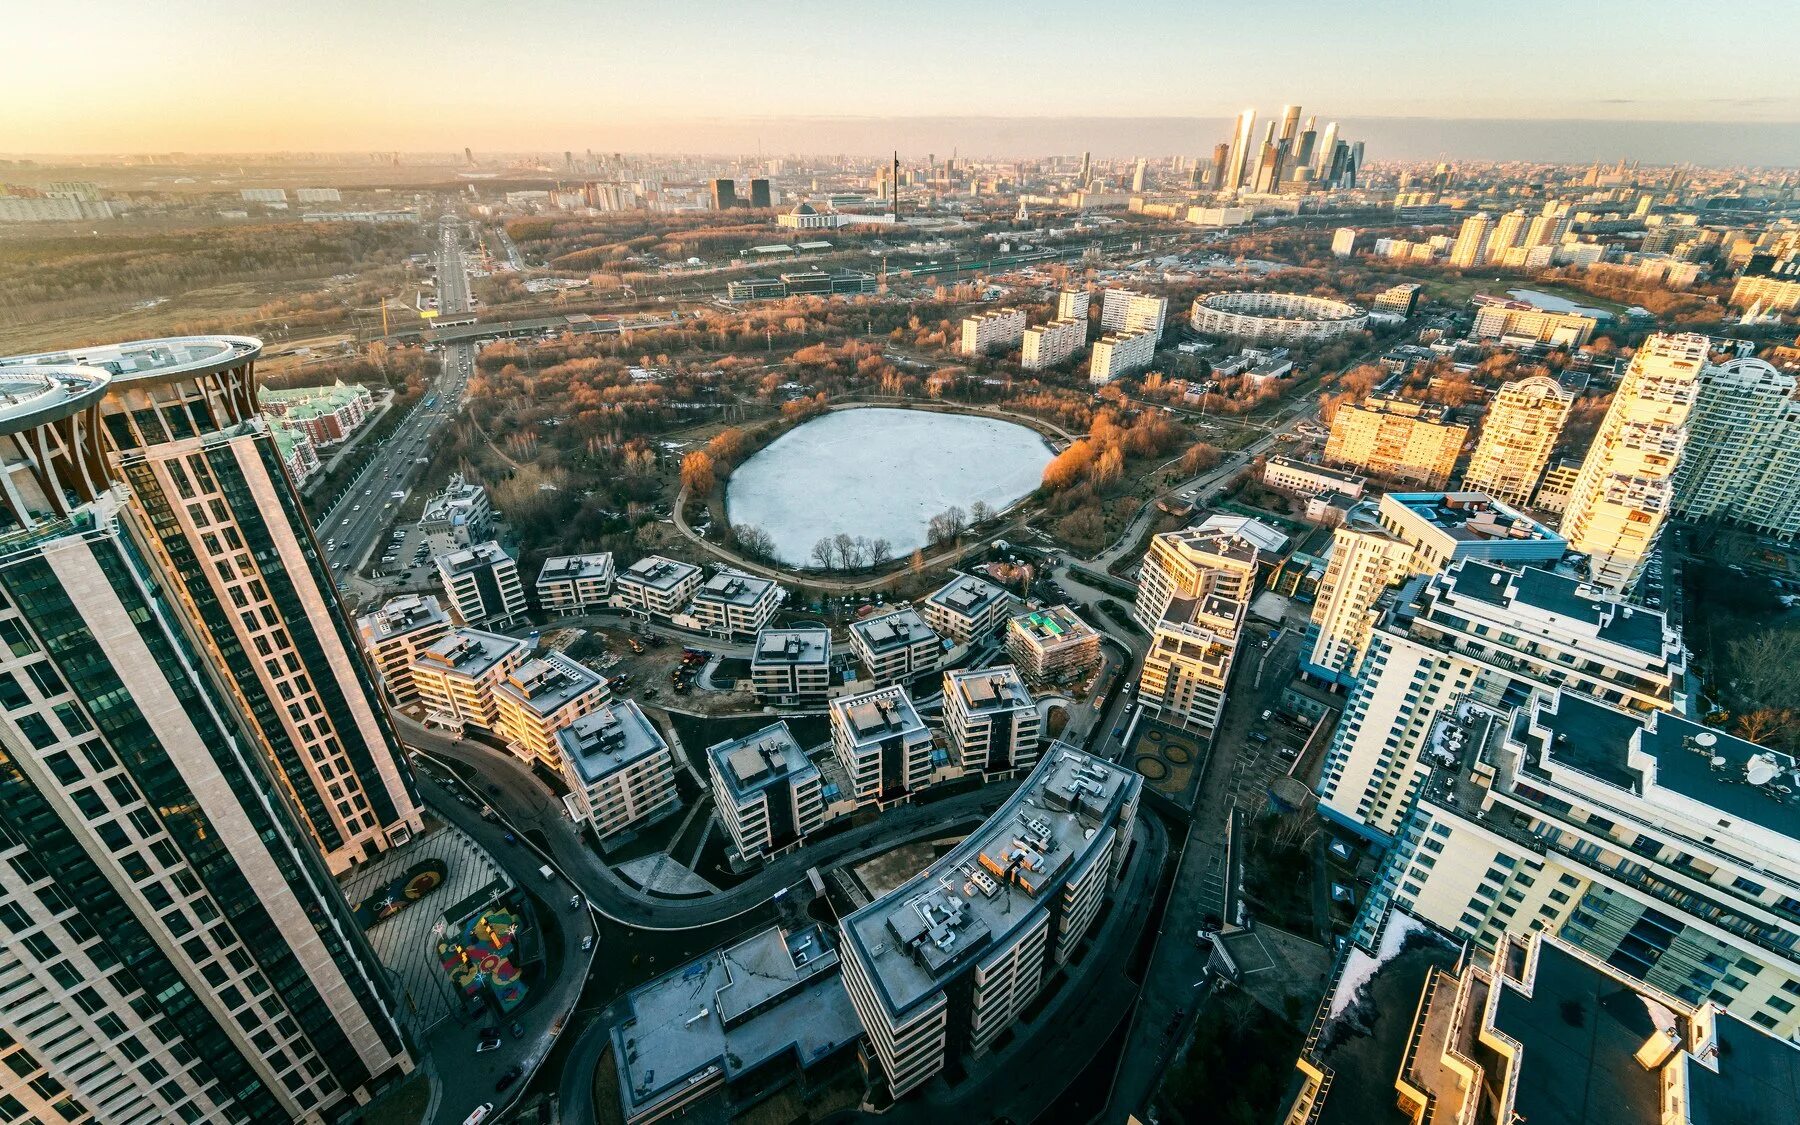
(511, 1076)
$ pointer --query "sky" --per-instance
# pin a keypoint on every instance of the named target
(100, 76)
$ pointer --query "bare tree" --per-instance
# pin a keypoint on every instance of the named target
(980, 512)
(821, 552)
(862, 550)
(846, 549)
(956, 519)
(753, 541)
(880, 551)
(1764, 665)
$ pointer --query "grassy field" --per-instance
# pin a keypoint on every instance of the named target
(1458, 290)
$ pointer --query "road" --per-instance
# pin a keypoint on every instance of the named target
(360, 516)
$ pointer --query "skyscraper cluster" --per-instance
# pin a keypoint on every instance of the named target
(1286, 156)
(193, 748)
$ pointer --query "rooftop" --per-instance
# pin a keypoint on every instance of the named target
(604, 741)
(984, 690)
(658, 573)
(144, 359)
(1318, 470)
(305, 402)
(966, 594)
(733, 588)
(732, 1011)
(1560, 595)
(473, 557)
(1052, 626)
(897, 629)
(792, 646)
(750, 764)
(551, 682)
(1263, 536)
(406, 613)
(569, 568)
(975, 896)
(878, 715)
(469, 652)
(40, 393)
(1469, 517)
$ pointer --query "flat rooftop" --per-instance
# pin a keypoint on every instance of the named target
(1473, 517)
(732, 1011)
(1053, 626)
(989, 690)
(792, 646)
(1318, 470)
(398, 616)
(993, 883)
(570, 568)
(1227, 540)
(605, 741)
(897, 629)
(1613, 620)
(473, 557)
(879, 715)
(469, 652)
(967, 595)
(549, 683)
(146, 359)
(729, 587)
(658, 573)
(750, 764)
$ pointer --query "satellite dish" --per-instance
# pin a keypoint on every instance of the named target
(1761, 770)
(1705, 738)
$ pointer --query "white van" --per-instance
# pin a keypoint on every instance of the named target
(480, 1114)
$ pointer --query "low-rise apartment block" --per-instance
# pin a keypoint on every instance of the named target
(456, 676)
(655, 586)
(618, 767)
(942, 965)
(1396, 440)
(991, 720)
(541, 697)
(571, 585)
(991, 331)
(1052, 645)
(394, 635)
(1046, 345)
(1662, 847)
(882, 743)
(734, 604)
(896, 646)
(967, 608)
(482, 583)
(1486, 634)
(769, 794)
(1499, 318)
(1117, 354)
(1305, 479)
(792, 666)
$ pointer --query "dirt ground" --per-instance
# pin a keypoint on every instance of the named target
(651, 666)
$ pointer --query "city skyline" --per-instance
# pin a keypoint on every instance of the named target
(678, 78)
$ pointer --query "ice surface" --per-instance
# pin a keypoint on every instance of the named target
(882, 474)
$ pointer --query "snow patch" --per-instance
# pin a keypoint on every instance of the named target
(1360, 968)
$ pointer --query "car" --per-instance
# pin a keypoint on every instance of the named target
(487, 1045)
(1288, 753)
(574, 902)
(1267, 714)
(587, 942)
(479, 1114)
(1259, 737)
(518, 1030)
(510, 838)
(512, 1075)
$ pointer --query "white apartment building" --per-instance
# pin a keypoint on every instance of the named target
(1397, 440)
(1365, 561)
(1188, 665)
(1127, 313)
(1193, 563)
(1666, 849)
(618, 767)
(967, 608)
(1343, 241)
(1742, 462)
(1046, 345)
(991, 331)
(990, 720)
(991, 921)
(896, 646)
(1626, 487)
(1073, 304)
(1052, 645)
(1305, 479)
(1481, 633)
(459, 516)
(482, 583)
(655, 587)
(882, 744)
(1517, 437)
(395, 634)
(1115, 355)
(571, 585)
(456, 676)
(541, 697)
(734, 604)
(792, 665)
(767, 791)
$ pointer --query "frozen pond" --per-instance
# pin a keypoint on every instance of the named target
(881, 474)
(1549, 302)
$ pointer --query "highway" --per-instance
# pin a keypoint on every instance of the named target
(359, 517)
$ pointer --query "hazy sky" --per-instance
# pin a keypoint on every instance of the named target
(212, 75)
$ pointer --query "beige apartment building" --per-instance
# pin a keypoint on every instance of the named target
(991, 331)
(1046, 345)
(395, 634)
(1415, 442)
(542, 697)
(457, 674)
(1517, 437)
